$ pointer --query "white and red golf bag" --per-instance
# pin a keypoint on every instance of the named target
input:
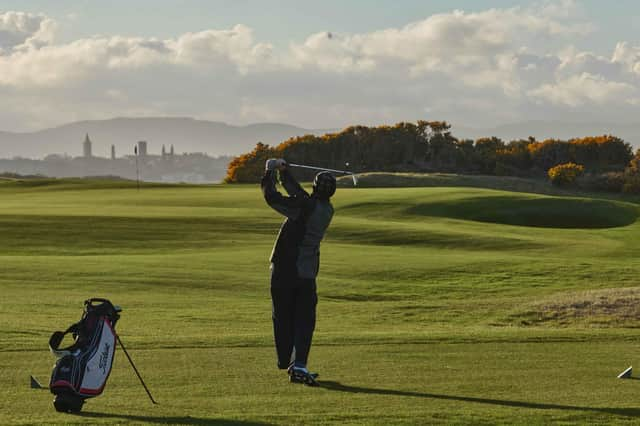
(82, 369)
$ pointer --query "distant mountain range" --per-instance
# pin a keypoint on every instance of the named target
(215, 138)
(185, 134)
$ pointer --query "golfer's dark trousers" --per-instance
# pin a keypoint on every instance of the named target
(294, 303)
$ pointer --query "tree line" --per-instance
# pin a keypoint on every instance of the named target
(429, 146)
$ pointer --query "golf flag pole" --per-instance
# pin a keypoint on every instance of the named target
(135, 151)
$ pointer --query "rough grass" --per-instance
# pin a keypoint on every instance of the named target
(427, 313)
(617, 307)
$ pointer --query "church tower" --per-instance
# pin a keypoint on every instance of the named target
(86, 147)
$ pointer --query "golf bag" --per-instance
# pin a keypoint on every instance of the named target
(82, 369)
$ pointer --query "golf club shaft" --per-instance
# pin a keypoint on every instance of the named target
(135, 369)
(344, 172)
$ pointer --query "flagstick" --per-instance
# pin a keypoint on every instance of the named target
(135, 150)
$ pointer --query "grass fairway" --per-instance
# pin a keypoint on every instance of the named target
(447, 305)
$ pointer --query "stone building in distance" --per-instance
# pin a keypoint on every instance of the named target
(166, 167)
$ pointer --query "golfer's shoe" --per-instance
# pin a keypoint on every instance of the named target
(302, 375)
(314, 375)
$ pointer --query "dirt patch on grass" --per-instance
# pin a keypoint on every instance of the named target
(618, 307)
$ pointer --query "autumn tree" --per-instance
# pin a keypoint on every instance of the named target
(487, 150)
(249, 167)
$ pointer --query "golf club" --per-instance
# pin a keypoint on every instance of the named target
(343, 172)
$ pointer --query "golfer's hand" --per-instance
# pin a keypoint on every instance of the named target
(275, 163)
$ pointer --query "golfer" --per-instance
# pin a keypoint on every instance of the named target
(295, 261)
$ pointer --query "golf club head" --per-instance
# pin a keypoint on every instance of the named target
(355, 180)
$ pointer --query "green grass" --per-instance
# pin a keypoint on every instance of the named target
(453, 305)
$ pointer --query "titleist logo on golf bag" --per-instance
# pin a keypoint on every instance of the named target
(104, 357)
(82, 369)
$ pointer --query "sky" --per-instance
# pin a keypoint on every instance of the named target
(319, 64)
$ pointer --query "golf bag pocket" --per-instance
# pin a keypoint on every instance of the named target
(82, 369)
(63, 372)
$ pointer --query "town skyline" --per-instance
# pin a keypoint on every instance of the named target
(169, 167)
(140, 150)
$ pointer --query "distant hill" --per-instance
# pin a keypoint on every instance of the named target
(186, 135)
(216, 138)
(541, 130)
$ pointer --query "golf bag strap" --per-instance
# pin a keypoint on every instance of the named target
(57, 338)
(92, 302)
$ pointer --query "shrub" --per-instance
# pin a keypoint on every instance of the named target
(631, 184)
(608, 182)
(565, 174)
(634, 164)
(632, 176)
(249, 167)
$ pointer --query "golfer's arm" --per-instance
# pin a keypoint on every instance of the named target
(287, 206)
(291, 185)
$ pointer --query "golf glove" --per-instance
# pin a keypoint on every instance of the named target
(275, 163)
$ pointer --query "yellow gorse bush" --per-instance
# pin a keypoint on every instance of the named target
(565, 174)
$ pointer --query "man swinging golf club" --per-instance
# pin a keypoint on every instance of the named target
(295, 261)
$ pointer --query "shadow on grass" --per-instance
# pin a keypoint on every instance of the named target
(337, 386)
(547, 212)
(186, 420)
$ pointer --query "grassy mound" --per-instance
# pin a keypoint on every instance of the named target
(497, 207)
(548, 212)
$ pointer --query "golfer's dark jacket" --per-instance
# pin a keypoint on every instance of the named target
(296, 253)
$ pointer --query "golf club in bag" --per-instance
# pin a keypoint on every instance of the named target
(82, 369)
(340, 172)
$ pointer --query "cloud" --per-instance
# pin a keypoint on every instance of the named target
(488, 49)
(20, 30)
(66, 64)
(209, 48)
(628, 56)
(479, 47)
(585, 88)
(474, 68)
(441, 42)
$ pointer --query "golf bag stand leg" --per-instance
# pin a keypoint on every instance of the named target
(135, 369)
